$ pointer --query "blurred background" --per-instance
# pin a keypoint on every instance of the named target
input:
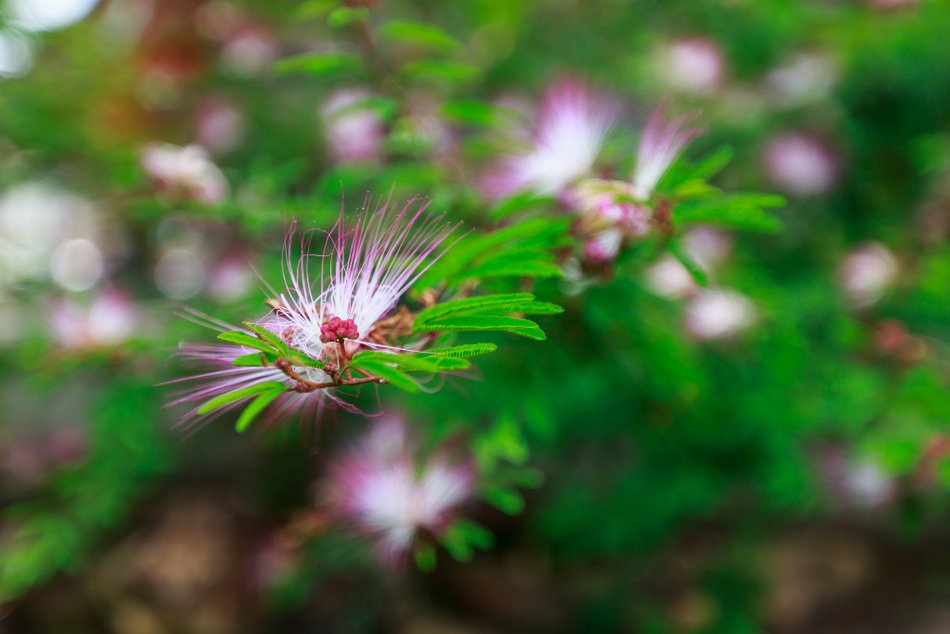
(769, 454)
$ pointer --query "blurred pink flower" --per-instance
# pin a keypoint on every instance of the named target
(613, 211)
(110, 319)
(800, 164)
(693, 65)
(249, 51)
(570, 127)
(660, 145)
(718, 314)
(218, 125)
(866, 272)
(354, 134)
(382, 491)
(185, 170)
(667, 277)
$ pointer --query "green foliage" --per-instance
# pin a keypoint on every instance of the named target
(486, 314)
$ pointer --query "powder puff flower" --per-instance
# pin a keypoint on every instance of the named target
(801, 164)
(354, 135)
(333, 305)
(717, 314)
(185, 170)
(383, 492)
(660, 145)
(693, 65)
(109, 320)
(612, 211)
(571, 125)
(867, 272)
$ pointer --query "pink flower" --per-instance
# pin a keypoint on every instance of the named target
(718, 314)
(867, 272)
(218, 125)
(800, 164)
(571, 125)
(612, 211)
(109, 320)
(692, 65)
(185, 170)
(383, 492)
(327, 309)
(660, 145)
(354, 134)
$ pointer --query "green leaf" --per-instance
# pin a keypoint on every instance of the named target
(345, 16)
(267, 335)
(315, 8)
(470, 112)
(319, 64)
(256, 407)
(739, 210)
(255, 359)
(441, 70)
(520, 202)
(231, 397)
(513, 268)
(479, 323)
(391, 375)
(709, 166)
(244, 339)
(420, 34)
(467, 350)
(699, 275)
(542, 234)
(505, 500)
(484, 305)
(407, 362)
(475, 534)
(425, 556)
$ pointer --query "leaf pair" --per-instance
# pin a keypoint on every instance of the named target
(485, 314)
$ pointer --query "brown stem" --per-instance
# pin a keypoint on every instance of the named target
(306, 385)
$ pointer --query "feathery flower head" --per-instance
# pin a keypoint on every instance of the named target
(185, 170)
(571, 125)
(661, 143)
(612, 211)
(332, 306)
(384, 492)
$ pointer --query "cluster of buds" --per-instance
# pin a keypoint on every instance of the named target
(608, 216)
(337, 329)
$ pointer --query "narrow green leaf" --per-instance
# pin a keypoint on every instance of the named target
(231, 397)
(469, 112)
(408, 362)
(463, 351)
(425, 556)
(472, 305)
(391, 375)
(505, 500)
(244, 339)
(496, 268)
(475, 534)
(254, 359)
(419, 34)
(257, 406)
(345, 16)
(698, 273)
(319, 64)
(442, 70)
(520, 202)
(480, 323)
(266, 335)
